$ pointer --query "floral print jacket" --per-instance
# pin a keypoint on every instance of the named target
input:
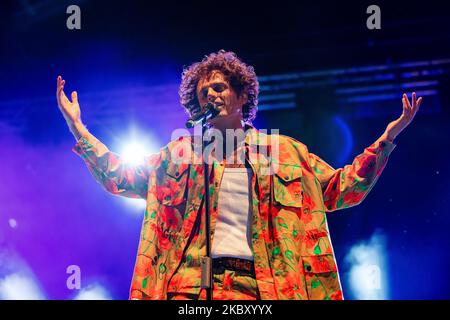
(292, 250)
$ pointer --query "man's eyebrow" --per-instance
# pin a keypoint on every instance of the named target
(212, 83)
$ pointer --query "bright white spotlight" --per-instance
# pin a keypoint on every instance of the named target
(136, 205)
(93, 292)
(18, 286)
(135, 145)
(368, 271)
(17, 280)
(134, 153)
(133, 150)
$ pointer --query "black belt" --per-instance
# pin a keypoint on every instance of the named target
(240, 266)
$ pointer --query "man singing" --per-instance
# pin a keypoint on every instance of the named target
(269, 232)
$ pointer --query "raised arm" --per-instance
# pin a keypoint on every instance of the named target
(107, 167)
(348, 186)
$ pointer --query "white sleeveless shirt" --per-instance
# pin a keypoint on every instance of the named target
(232, 236)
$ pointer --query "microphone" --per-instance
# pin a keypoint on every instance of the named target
(210, 112)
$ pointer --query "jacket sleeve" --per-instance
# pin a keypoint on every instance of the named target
(115, 175)
(348, 186)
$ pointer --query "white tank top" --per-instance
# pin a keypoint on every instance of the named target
(232, 236)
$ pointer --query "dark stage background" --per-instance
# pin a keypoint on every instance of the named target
(326, 80)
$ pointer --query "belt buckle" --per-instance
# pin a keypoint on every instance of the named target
(243, 265)
(236, 264)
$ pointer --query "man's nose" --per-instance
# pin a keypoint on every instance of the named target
(212, 94)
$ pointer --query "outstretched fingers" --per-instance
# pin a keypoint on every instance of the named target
(60, 82)
(406, 105)
(408, 109)
(74, 96)
(419, 101)
(416, 103)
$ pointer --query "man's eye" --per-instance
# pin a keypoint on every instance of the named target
(219, 88)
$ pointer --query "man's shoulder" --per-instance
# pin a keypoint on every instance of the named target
(181, 141)
(286, 141)
(289, 148)
(259, 137)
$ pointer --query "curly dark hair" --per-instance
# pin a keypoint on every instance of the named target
(241, 77)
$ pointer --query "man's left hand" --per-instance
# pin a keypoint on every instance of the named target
(409, 111)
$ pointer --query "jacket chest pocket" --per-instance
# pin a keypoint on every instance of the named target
(171, 184)
(287, 185)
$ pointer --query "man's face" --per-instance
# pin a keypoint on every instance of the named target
(216, 89)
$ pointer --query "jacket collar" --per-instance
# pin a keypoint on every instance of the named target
(255, 137)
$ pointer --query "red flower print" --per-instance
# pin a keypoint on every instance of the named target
(309, 242)
(322, 265)
(308, 201)
(173, 186)
(265, 236)
(312, 236)
(169, 217)
(296, 235)
(162, 192)
(307, 209)
(368, 166)
(274, 210)
(111, 186)
(306, 216)
(337, 295)
(353, 197)
(163, 239)
(305, 165)
(264, 209)
(227, 282)
(290, 286)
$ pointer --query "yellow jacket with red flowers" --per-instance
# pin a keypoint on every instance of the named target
(291, 245)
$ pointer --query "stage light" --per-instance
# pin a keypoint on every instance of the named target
(18, 286)
(135, 146)
(93, 292)
(12, 223)
(136, 205)
(368, 271)
(17, 280)
(134, 153)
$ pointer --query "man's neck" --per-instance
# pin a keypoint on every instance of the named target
(233, 125)
(237, 142)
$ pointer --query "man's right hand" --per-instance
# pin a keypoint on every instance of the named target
(70, 110)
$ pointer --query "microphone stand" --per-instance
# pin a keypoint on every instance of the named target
(206, 261)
